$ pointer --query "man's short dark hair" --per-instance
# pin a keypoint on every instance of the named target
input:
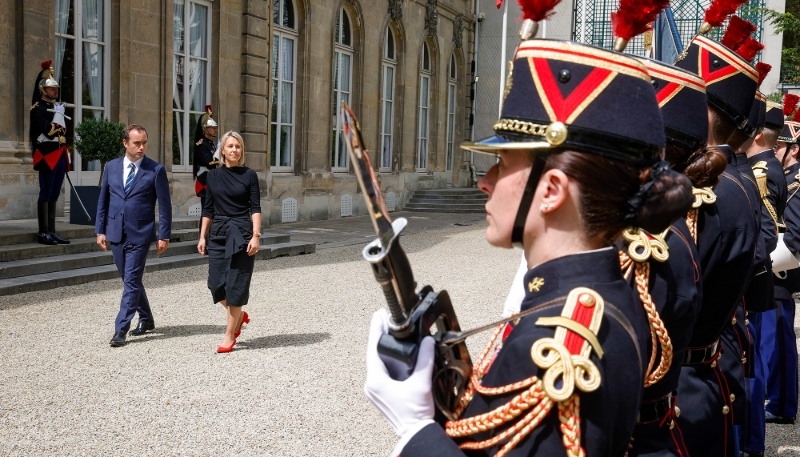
(126, 134)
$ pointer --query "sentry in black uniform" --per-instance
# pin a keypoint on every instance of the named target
(772, 190)
(590, 116)
(675, 283)
(779, 339)
(205, 152)
(50, 155)
(726, 239)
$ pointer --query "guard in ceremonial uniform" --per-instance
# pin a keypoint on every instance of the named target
(779, 339)
(727, 238)
(772, 191)
(50, 155)
(567, 375)
(675, 279)
(205, 152)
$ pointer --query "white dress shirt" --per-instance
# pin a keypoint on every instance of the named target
(126, 168)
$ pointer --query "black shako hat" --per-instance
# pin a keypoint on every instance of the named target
(566, 95)
(731, 82)
(681, 96)
(755, 121)
(773, 119)
(790, 133)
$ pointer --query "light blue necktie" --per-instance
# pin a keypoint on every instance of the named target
(129, 181)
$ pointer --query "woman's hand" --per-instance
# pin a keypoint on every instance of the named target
(253, 245)
(407, 405)
(201, 246)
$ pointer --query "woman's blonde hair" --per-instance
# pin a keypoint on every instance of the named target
(222, 141)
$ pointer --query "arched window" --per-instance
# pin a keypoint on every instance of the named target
(342, 86)
(424, 108)
(284, 69)
(191, 75)
(452, 80)
(387, 99)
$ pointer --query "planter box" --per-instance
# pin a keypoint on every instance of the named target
(89, 196)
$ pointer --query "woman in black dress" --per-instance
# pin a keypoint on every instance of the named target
(233, 212)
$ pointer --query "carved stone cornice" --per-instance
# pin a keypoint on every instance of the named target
(431, 17)
(396, 9)
(458, 30)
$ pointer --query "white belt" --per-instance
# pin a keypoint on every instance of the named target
(44, 139)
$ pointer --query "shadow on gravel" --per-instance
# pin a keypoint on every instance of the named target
(280, 341)
(177, 331)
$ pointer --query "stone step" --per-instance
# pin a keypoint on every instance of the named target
(446, 208)
(27, 234)
(449, 192)
(15, 252)
(96, 257)
(416, 200)
(52, 280)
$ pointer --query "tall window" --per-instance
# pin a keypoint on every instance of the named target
(424, 109)
(191, 73)
(452, 80)
(81, 64)
(342, 87)
(284, 65)
(387, 99)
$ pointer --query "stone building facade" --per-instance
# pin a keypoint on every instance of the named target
(274, 70)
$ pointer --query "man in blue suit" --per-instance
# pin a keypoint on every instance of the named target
(132, 184)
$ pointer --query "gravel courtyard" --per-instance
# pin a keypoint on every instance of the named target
(292, 387)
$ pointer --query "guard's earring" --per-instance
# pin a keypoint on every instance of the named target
(545, 207)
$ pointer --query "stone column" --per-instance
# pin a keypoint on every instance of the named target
(255, 82)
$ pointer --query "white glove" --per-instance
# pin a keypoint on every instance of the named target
(58, 118)
(407, 405)
(59, 108)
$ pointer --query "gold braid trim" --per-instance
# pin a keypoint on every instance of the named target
(691, 222)
(528, 408)
(658, 333)
(569, 413)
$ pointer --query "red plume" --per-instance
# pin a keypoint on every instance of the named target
(635, 16)
(749, 49)
(537, 10)
(208, 108)
(46, 64)
(790, 103)
(796, 116)
(719, 10)
(738, 31)
(763, 70)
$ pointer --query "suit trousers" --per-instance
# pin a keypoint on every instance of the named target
(779, 346)
(130, 260)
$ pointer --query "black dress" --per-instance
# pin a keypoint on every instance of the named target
(232, 196)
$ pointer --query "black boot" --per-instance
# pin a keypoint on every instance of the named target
(44, 233)
(51, 224)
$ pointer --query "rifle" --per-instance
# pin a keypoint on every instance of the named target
(414, 315)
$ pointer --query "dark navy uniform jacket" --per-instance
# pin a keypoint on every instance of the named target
(42, 124)
(726, 240)
(204, 151)
(607, 414)
(676, 289)
(791, 216)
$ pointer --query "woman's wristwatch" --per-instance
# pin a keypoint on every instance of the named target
(257, 234)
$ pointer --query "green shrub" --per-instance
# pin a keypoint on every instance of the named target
(99, 139)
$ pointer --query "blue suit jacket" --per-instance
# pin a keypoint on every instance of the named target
(134, 214)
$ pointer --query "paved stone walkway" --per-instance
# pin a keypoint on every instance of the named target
(294, 384)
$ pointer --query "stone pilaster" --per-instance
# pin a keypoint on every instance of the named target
(255, 81)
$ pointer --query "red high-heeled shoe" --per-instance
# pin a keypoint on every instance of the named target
(223, 349)
(245, 320)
